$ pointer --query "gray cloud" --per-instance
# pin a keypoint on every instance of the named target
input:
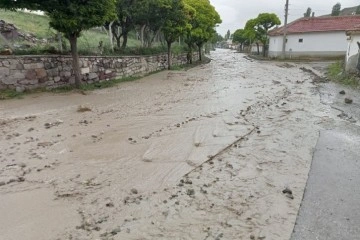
(235, 13)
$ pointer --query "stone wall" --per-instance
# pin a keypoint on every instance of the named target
(31, 72)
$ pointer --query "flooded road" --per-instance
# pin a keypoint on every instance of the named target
(198, 154)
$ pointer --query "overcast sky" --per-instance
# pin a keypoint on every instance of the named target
(235, 13)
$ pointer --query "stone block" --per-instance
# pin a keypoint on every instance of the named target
(57, 79)
(93, 76)
(30, 74)
(29, 82)
(4, 72)
(8, 80)
(20, 89)
(43, 80)
(85, 70)
(17, 75)
(33, 65)
(54, 72)
(40, 72)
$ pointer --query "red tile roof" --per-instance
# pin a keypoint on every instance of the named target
(320, 24)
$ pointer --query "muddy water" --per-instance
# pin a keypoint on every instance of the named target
(198, 154)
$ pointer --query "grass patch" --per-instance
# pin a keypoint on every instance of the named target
(337, 74)
(9, 94)
(29, 23)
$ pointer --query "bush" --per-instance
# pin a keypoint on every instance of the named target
(337, 74)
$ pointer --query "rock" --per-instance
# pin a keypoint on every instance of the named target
(190, 192)
(31, 129)
(287, 191)
(20, 89)
(115, 231)
(188, 181)
(21, 179)
(134, 191)
(342, 92)
(348, 100)
(109, 204)
(83, 109)
(2, 183)
(22, 165)
(252, 236)
(261, 237)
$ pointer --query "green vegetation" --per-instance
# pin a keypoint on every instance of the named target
(336, 73)
(153, 20)
(257, 29)
(9, 94)
(38, 25)
(29, 23)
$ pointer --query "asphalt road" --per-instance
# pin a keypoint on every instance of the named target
(331, 206)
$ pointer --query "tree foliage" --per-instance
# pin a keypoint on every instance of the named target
(239, 36)
(203, 24)
(357, 12)
(336, 9)
(257, 28)
(227, 35)
(308, 12)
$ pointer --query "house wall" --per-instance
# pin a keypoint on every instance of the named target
(329, 44)
(255, 50)
(31, 72)
(352, 54)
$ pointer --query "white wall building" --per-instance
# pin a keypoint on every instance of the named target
(353, 48)
(313, 37)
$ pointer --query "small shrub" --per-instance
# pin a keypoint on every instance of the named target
(337, 74)
(9, 94)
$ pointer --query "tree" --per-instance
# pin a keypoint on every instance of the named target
(227, 35)
(357, 12)
(336, 9)
(177, 16)
(124, 23)
(70, 17)
(308, 12)
(260, 27)
(203, 25)
(239, 36)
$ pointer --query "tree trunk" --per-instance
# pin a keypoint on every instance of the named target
(75, 57)
(200, 54)
(118, 42)
(258, 48)
(264, 50)
(125, 39)
(111, 36)
(169, 54)
(142, 30)
(60, 42)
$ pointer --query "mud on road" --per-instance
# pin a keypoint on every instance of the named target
(198, 154)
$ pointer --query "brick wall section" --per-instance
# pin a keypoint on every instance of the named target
(31, 72)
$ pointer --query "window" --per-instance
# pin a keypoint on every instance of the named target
(301, 40)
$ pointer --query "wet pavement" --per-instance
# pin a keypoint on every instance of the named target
(331, 206)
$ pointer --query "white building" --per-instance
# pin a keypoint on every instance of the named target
(352, 54)
(313, 37)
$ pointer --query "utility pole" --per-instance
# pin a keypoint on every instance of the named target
(285, 29)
